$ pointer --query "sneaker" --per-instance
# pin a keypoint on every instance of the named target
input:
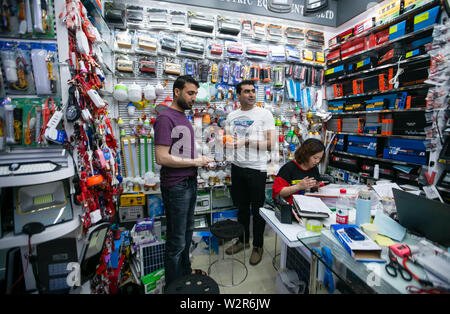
(256, 256)
(237, 247)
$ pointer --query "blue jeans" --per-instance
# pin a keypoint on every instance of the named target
(179, 203)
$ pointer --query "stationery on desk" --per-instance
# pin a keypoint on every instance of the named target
(310, 207)
(361, 249)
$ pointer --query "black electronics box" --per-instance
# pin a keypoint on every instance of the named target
(349, 163)
(410, 123)
(283, 210)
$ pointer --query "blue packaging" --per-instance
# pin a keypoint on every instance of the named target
(397, 30)
(425, 19)
(362, 145)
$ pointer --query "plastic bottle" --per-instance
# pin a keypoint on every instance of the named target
(363, 208)
(342, 206)
(376, 172)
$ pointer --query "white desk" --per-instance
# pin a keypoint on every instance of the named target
(372, 274)
(288, 234)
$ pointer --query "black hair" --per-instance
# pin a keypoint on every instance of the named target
(182, 80)
(244, 82)
(309, 148)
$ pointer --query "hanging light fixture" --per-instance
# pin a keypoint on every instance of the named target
(280, 6)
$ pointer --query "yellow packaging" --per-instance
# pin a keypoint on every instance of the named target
(132, 199)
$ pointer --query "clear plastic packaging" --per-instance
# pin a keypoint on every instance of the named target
(125, 65)
(228, 27)
(277, 53)
(201, 24)
(17, 69)
(214, 49)
(257, 52)
(234, 49)
(124, 41)
(147, 66)
(135, 16)
(274, 33)
(157, 18)
(168, 44)
(178, 21)
(193, 47)
(247, 27)
(293, 54)
(259, 31)
(44, 68)
(146, 43)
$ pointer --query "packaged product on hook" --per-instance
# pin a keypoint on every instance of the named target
(168, 44)
(17, 67)
(157, 18)
(115, 14)
(234, 49)
(44, 61)
(277, 53)
(214, 49)
(228, 27)
(178, 21)
(171, 68)
(135, 16)
(201, 23)
(294, 36)
(259, 31)
(193, 47)
(274, 33)
(293, 54)
(43, 18)
(247, 27)
(257, 52)
(124, 41)
(146, 66)
(125, 65)
(146, 43)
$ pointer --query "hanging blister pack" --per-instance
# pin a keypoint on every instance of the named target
(178, 21)
(228, 27)
(201, 24)
(146, 43)
(135, 16)
(277, 53)
(193, 47)
(157, 18)
(168, 44)
(125, 65)
(115, 14)
(259, 31)
(124, 41)
(257, 52)
(293, 54)
(45, 69)
(17, 67)
(274, 33)
(234, 50)
(214, 49)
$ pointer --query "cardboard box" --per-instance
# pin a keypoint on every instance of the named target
(362, 251)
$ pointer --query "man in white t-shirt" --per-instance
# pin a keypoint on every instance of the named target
(253, 132)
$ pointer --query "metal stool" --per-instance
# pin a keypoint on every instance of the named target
(193, 284)
(228, 230)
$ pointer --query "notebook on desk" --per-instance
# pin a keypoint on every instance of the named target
(310, 207)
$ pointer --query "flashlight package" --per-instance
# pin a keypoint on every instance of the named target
(124, 41)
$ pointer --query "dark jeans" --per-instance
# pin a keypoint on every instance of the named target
(179, 203)
(248, 188)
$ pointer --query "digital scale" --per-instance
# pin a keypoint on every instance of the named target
(47, 203)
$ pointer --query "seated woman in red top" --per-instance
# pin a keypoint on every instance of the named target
(300, 174)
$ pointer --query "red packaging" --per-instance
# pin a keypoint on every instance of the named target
(364, 26)
(352, 47)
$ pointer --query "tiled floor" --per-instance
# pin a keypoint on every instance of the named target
(260, 278)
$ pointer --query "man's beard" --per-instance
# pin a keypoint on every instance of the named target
(183, 104)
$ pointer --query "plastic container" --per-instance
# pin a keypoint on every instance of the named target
(342, 208)
(363, 205)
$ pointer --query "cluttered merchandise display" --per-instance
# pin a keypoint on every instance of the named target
(77, 120)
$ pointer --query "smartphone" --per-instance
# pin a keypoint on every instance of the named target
(354, 234)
